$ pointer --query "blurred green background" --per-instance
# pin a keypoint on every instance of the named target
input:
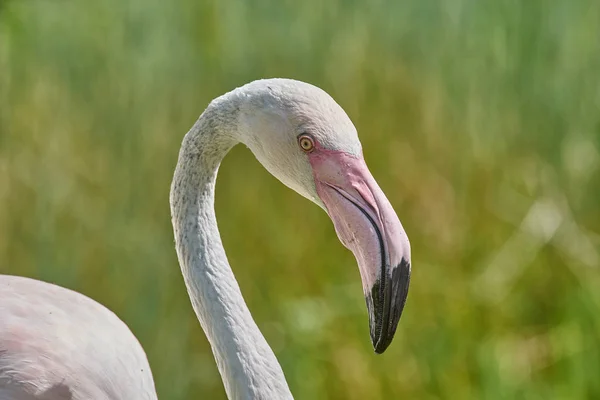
(480, 120)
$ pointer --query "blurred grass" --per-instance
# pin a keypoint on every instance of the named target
(479, 119)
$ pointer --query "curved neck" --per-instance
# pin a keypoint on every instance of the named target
(247, 364)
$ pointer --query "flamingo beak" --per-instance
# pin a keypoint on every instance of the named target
(366, 224)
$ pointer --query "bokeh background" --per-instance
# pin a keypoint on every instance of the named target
(480, 120)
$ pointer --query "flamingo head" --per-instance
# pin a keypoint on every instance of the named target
(306, 140)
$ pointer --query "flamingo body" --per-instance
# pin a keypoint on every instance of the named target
(58, 344)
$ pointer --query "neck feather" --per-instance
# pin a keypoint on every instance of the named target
(247, 364)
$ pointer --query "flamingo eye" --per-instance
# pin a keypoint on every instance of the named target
(306, 143)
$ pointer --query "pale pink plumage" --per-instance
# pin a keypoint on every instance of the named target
(58, 344)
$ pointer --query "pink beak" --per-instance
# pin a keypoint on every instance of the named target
(366, 224)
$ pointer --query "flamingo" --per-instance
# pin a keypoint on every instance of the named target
(57, 344)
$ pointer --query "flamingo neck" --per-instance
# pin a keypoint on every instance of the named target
(247, 364)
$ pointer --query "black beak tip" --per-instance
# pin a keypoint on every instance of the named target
(381, 348)
(385, 305)
(381, 343)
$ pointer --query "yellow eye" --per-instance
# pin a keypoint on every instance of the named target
(306, 143)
